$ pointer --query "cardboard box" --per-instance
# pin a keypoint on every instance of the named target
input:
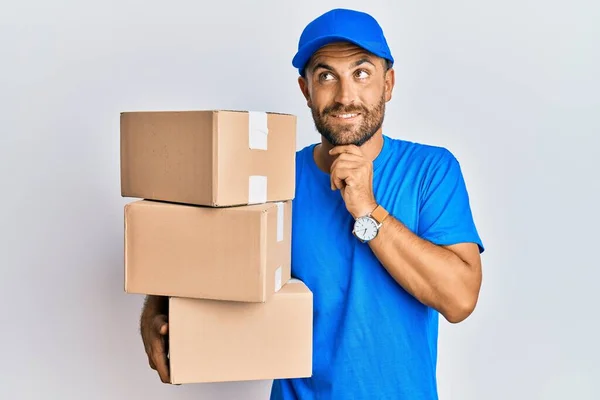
(237, 253)
(218, 341)
(212, 158)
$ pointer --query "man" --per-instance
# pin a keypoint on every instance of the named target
(382, 230)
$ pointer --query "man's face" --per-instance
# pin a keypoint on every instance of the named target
(346, 89)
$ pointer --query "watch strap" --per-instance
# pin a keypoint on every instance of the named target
(379, 214)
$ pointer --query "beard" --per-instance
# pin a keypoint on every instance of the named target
(348, 133)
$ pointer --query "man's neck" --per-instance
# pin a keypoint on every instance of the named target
(370, 149)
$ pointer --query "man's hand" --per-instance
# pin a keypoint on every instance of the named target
(154, 329)
(352, 174)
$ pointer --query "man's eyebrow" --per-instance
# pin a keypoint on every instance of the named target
(355, 64)
(321, 65)
(362, 61)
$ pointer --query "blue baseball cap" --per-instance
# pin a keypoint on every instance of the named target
(341, 25)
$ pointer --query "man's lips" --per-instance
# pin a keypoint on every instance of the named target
(345, 116)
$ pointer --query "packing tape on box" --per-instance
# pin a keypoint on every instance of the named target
(257, 189)
(278, 279)
(258, 131)
(280, 219)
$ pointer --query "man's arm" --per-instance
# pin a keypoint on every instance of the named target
(446, 278)
(439, 265)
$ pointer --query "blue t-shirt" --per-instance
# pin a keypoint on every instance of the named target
(372, 340)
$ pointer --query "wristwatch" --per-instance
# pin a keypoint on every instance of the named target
(367, 227)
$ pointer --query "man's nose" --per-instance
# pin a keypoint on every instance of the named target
(346, 92)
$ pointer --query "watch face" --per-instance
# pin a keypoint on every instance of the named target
(365, 228)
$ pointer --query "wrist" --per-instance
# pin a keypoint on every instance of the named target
(367, 225)
(365, 210)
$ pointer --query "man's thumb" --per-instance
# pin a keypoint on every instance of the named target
(160, 324)
(164, 328)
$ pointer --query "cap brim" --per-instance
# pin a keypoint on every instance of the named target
(305, 53)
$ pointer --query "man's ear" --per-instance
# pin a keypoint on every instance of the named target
(390, 81)
(303, 83)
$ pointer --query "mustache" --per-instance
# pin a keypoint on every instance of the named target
(341, 109)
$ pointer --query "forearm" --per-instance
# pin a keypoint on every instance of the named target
(434, 275)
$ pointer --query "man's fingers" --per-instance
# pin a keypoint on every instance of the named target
(349, 157)
(347, 162)
(158, 350)
(347, 167)
(336, 183)
(343, 173)
(159, 358)
(339, 177)
(336, 178)
(163, 372)
(350, 149)
(343, 168)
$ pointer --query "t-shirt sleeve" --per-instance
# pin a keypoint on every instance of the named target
(445, 214)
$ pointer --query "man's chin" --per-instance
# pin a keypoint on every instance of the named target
(344, 140)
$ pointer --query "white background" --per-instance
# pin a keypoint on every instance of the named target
(511, 88)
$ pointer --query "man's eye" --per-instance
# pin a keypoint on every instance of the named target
(362, 74)
(326, 76)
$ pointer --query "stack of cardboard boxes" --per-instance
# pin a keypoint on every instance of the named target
(212, 231)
